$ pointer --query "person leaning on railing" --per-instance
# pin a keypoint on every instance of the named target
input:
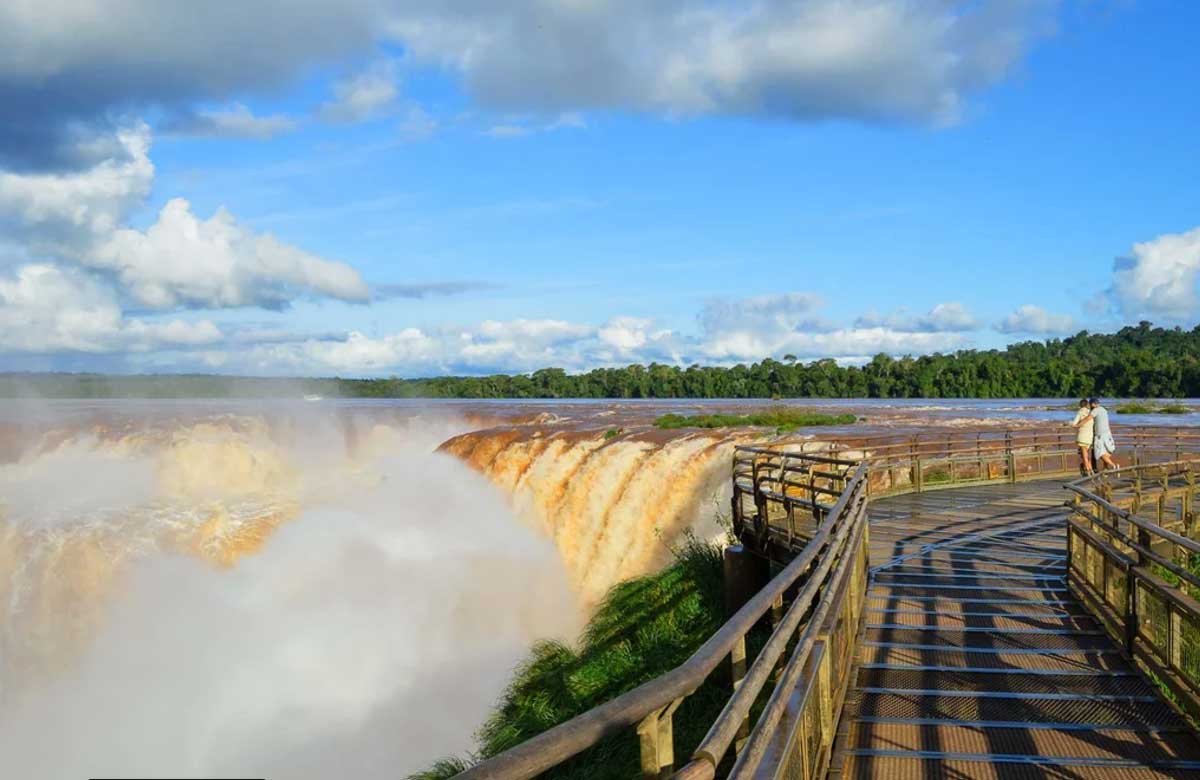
(1085, 428)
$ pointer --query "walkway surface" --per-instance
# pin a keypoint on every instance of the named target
(977, 663)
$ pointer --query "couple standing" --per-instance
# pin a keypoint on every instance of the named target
(1093, 436)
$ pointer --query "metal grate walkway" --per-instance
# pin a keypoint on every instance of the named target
(977, 663)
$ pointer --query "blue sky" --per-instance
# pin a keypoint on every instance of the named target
(427, 188)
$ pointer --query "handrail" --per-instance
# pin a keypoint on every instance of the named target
(904, 463)
(1120, 562)
(809, 500)
(657, 698)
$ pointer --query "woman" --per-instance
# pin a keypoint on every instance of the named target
(1085, 428)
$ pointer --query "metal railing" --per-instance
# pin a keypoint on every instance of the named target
(1134, 563)
(794, 729)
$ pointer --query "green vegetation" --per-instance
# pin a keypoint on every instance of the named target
(1143, 407)
(782, 419)
(1136, 362)
(935, 476)
(644, 628)
(613, 433)
(1190, 562)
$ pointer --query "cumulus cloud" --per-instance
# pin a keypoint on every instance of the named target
(524, 342)
(59, 211)
(775, 325)
(182, 260)
(732, 331)
(516, 345)
(1034, 319)
(363, 96)
(626, 334)
(68, 68)
(841, 343)
(79, 217)
(942, 318)
(237, 121)
(46, 309)
(1159, 278)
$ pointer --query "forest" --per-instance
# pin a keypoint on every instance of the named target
(1139, 361)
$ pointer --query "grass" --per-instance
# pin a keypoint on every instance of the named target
(781, 418)
(644, 628)
(935, 477)
(1143, 407)
(613, 433)
(1189, 664)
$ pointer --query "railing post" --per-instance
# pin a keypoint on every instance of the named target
(745, 575)
(918, 476)
(656, 737)
(1131, 618)
(825, 674)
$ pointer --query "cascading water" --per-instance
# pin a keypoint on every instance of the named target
(613, 507)
(232, 597)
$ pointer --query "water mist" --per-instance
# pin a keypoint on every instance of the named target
(317, 610)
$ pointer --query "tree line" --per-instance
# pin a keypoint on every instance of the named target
(1139, 361)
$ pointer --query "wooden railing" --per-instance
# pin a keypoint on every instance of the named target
(805, 502)
(907, 463)
(1134, 563)
(793, 730)
(780, 497)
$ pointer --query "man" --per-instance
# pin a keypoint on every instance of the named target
(1084, 436)
(1103, 445)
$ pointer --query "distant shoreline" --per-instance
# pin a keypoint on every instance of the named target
(1139, 362)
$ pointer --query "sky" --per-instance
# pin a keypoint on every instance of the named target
(426, 187)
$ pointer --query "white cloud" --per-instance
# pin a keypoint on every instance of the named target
(363, 96)
(1034, 319)
(942, 318)
(236, 121)
(516, 345)
(46, 309)
(67, 68)
(774, 325)
(180, 260)
(804, 59)
(1160, 277)
(749, 346)
(525, 343)
(745, 330)
(57, 210)
(626, 334)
